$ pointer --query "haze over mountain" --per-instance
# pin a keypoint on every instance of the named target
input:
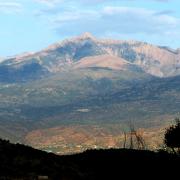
(91, 88)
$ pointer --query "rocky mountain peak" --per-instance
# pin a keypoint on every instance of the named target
(90, 51)
(86, 35)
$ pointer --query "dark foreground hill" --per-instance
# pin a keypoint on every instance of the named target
(22, 162)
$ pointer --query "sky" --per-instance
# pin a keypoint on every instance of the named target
(31, 25)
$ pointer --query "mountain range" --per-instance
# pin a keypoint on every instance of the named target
(87, 51)
(89, 88)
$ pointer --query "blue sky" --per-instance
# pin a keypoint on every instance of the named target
(31, 25)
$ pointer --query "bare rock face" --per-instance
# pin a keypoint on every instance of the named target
(103, 61)
(87, 51)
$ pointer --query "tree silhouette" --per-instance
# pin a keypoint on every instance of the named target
(172, 136)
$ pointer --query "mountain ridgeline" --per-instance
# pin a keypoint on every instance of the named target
(87, 51)
(90, 88)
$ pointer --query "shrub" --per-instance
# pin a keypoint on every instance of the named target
(172, 136)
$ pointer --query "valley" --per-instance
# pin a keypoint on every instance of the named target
(74, 139)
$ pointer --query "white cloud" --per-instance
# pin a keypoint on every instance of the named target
(10, 7)
(52, 3)
(73, 17)
(116, 19)
(49, 3)
(88, 1)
